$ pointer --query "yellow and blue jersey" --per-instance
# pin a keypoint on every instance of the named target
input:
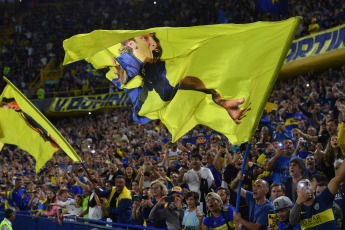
(219, 223)
(291, 120)
(319, 215)
(42, 205)
(15, 198)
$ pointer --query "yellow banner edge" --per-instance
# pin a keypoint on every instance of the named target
(77, 158)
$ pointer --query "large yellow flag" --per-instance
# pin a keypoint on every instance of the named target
(22, 124)
(217, 75)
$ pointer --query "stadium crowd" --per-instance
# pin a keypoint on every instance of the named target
(136, 169)
(295, 169)
(38, 31)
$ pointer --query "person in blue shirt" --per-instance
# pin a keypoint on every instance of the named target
(279, 164)
(72, 186)
(281, 133)
(316, 212)
(340, 196)
(214, 163)
(292, 116)
(42, 204)
(282, 206)
(16, 195)
(219, 217)
(259, 206)
(317, 109)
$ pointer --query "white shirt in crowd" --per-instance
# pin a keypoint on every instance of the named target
(96, 212)
(193, 181)
(173, 154)
(70, 206)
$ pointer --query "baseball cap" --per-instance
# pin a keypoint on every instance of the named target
(177, 189)
(282, 202)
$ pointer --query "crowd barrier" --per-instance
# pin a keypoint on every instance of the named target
(24, 221)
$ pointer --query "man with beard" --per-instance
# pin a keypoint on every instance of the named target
(316, 212)
(282, 206)
(259, 206)
(194, 176)
(224, 194)
(219, 217)
(279, 164)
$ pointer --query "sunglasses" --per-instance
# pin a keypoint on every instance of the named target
(155, 188)
(210, 200)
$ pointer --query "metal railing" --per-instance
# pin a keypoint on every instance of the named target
(25, 220)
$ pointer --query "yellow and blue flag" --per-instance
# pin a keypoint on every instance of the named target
(92, 71)
(216, 75)
(273, 6)
(22, 124)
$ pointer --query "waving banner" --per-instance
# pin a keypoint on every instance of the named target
(217, 75)
(22, 124)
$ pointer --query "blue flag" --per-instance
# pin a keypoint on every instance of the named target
(273, 6)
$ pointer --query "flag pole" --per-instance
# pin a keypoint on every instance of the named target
(89, 176)
(242, 171)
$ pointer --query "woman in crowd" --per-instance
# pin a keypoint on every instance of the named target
(72, 207)
(135, 188)
(333, 151)
(130, 174)
(51, 210)
(157, 190)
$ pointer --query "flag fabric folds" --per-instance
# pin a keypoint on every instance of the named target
(273, 6)
(210, 75)
(22, 124)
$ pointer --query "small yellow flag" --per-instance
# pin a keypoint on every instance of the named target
(22, 124)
